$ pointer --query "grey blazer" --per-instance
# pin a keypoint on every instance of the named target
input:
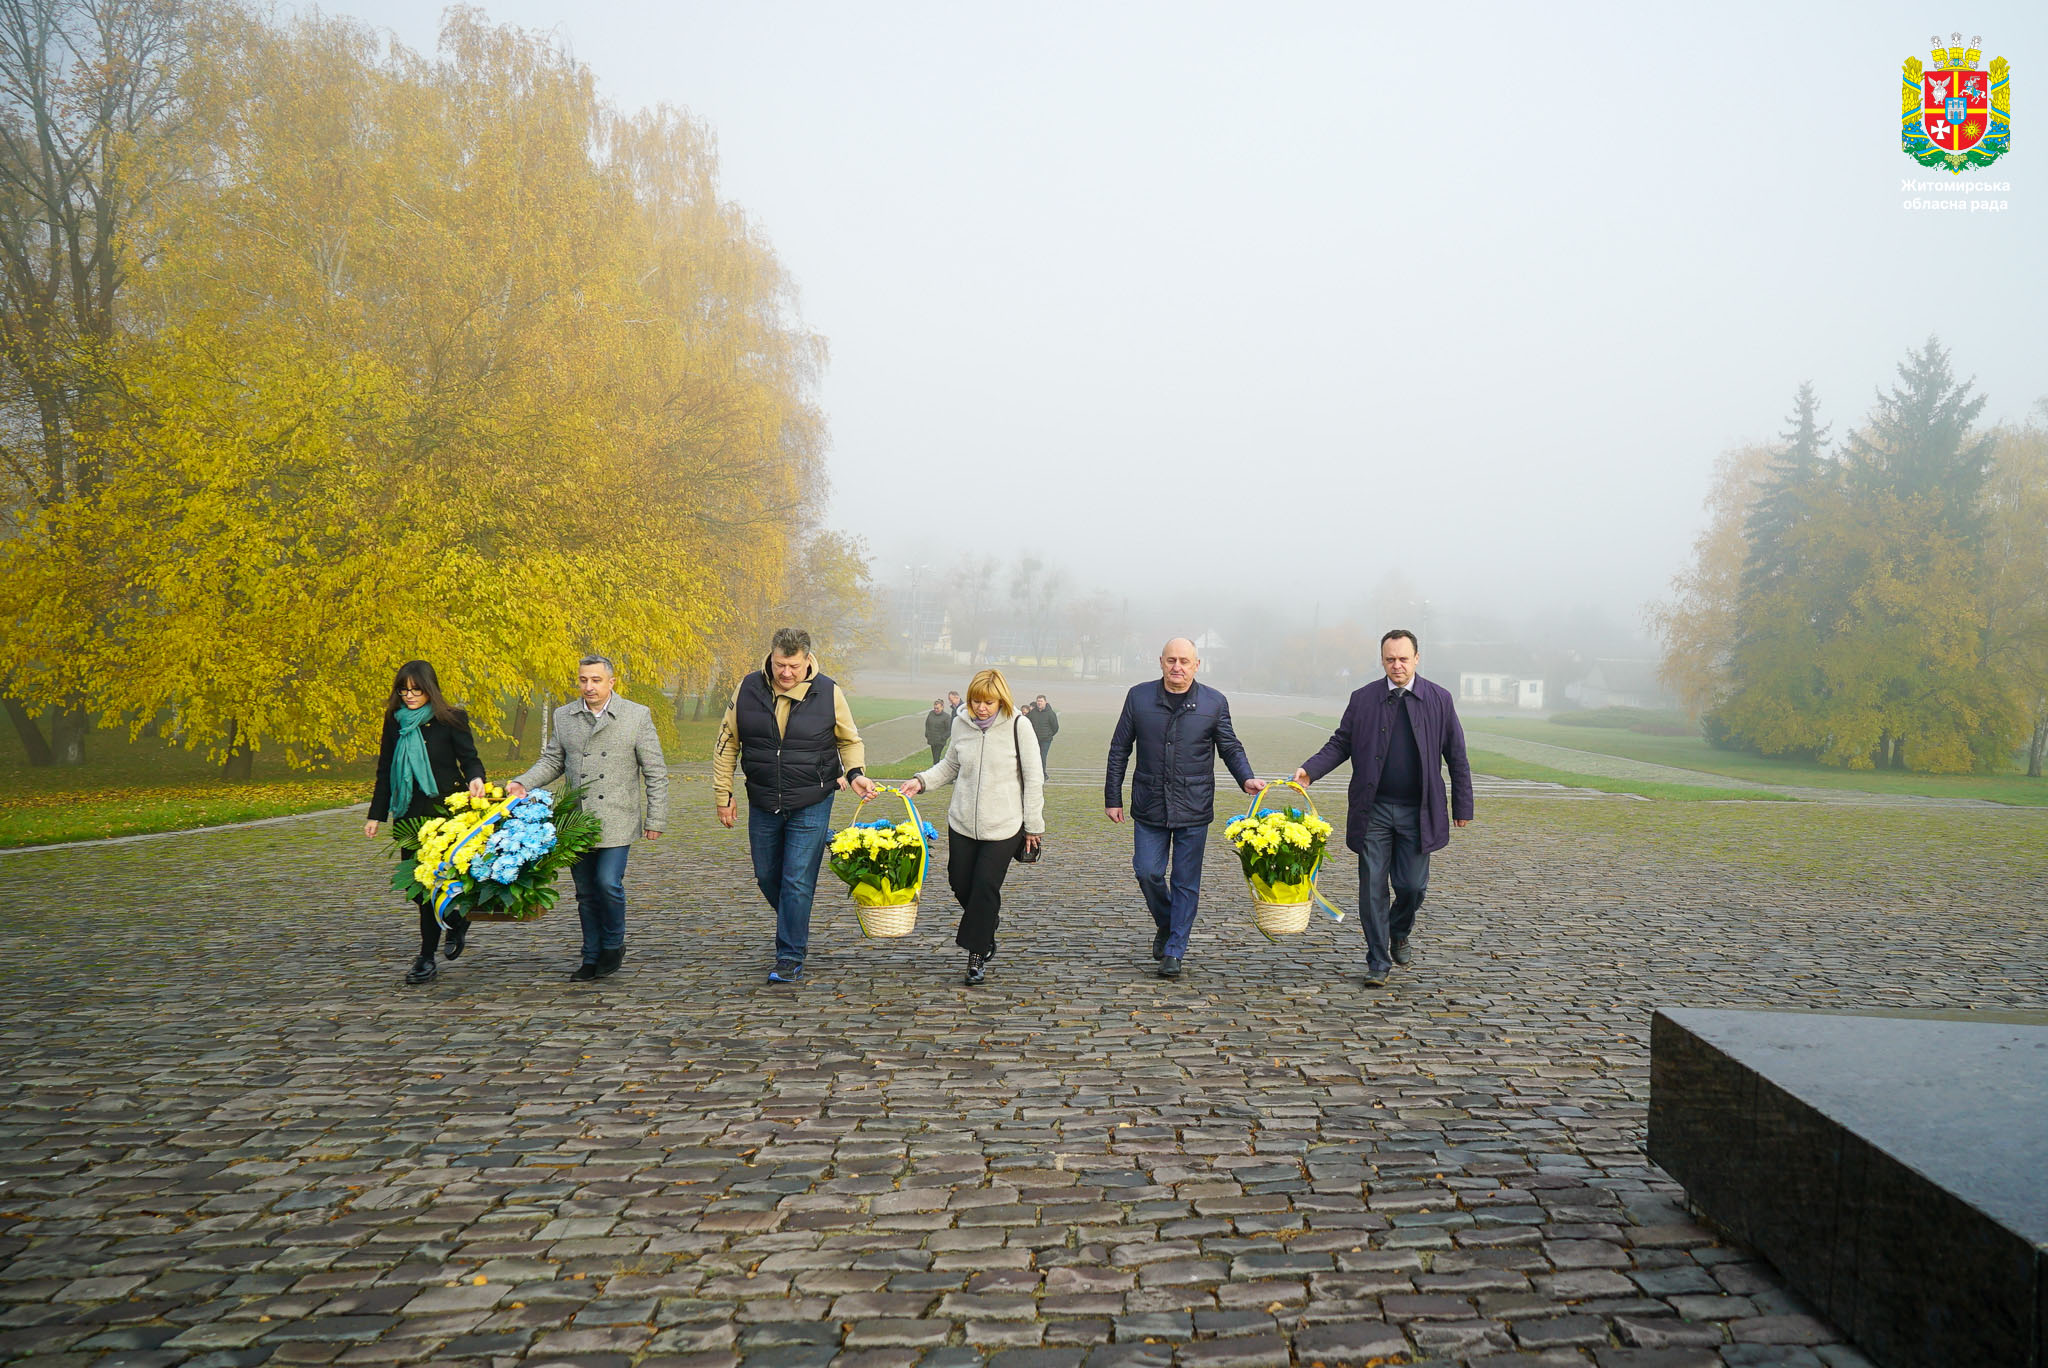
(614, 759)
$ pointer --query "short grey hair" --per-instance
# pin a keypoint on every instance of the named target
(605, 661)
(792, 641)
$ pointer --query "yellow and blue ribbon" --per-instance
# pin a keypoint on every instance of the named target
(453, 861)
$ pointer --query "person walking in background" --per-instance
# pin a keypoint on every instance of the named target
(790, 733)
(1045, 723)
(1399, 733)
(426, 752)
(938, 727)
(1178, 727)
(607, 746)
(953, 704)
(998, 809)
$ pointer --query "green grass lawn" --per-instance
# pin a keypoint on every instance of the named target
(1507, 767)
(1690, 752)
(129, 788)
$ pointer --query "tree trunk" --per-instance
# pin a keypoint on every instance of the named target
(68, 726)
(2037, 751)
(241, 761)
(32, 744)
(518, 742)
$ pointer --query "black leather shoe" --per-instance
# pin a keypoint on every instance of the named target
(584, 973)
(1402, 954)
(977, 968)
(458, 938)
(1159, 946)
(423, 970)
(608, 961)
(1169, 966)
(1375, 978)
(991, 950)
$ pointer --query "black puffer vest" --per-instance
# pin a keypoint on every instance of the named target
(799, 766)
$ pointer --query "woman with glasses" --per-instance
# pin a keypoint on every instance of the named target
(427, 753)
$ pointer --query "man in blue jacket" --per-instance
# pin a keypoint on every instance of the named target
(1178, 727)
(1398, 733)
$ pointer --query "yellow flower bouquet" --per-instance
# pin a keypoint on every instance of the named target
(493, 858)
(884, 865)
(1281, 850)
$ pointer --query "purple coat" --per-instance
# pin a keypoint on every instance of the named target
(1360, 738)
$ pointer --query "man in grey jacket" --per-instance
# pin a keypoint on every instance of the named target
(608, 747)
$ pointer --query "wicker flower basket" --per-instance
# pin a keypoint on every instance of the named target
(1281, 919)
(887, 921)
(1274, 918)
(881, 923)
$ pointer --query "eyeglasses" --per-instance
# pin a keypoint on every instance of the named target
(409, 689)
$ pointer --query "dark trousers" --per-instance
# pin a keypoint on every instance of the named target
(976, 870)
(788, 847)
(430, 928)
(1171, 900)
(1393, 858)
(600, 879)
(1044, 753)
(938, 751)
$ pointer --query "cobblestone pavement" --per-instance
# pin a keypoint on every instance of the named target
(232, 1136)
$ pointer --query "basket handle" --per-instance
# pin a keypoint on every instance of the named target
(924, 848)
(1260, 797)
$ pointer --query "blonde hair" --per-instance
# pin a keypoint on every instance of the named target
(990, 687)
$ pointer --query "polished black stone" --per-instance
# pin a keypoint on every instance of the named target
(1894, 1167)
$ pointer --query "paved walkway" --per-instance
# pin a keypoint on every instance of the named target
(229, 1135)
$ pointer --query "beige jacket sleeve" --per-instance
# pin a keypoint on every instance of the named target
(725, 756)
(852, 754)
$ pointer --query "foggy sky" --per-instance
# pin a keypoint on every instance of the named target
(1478, 295)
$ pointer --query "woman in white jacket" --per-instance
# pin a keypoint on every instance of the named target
(998, 808)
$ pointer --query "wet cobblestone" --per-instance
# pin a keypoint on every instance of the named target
(229, 1135)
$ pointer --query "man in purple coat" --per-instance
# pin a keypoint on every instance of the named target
(1398, 733)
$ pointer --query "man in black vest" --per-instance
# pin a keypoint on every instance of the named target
(790, 733)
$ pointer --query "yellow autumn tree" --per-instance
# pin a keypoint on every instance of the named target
(1698, 623)
(441, 358)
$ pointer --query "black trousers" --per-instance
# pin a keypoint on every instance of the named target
(976, 870)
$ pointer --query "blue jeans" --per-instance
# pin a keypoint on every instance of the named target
(788, 848)
(1172, 902)
(1393, 856)
(600, 879)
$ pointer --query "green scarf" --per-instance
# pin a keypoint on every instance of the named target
(410, 768)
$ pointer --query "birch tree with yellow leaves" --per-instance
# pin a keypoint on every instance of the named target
(437, 357)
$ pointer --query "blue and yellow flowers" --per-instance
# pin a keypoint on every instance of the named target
(493, 856)
(1280, 849)
(883, 862)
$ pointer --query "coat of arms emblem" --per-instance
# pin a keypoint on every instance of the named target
(1953, 115)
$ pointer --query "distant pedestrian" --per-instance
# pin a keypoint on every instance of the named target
(1178, 728)
(938, 725)
(790, 734)
(953, 704)
(606, 746)
(998, 809)
(1399, 733)
(426, 752)
(1046, 723)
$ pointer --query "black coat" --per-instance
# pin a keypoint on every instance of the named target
(938, 727)
(451, 750)
(1046, 723)
(1178, 737)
